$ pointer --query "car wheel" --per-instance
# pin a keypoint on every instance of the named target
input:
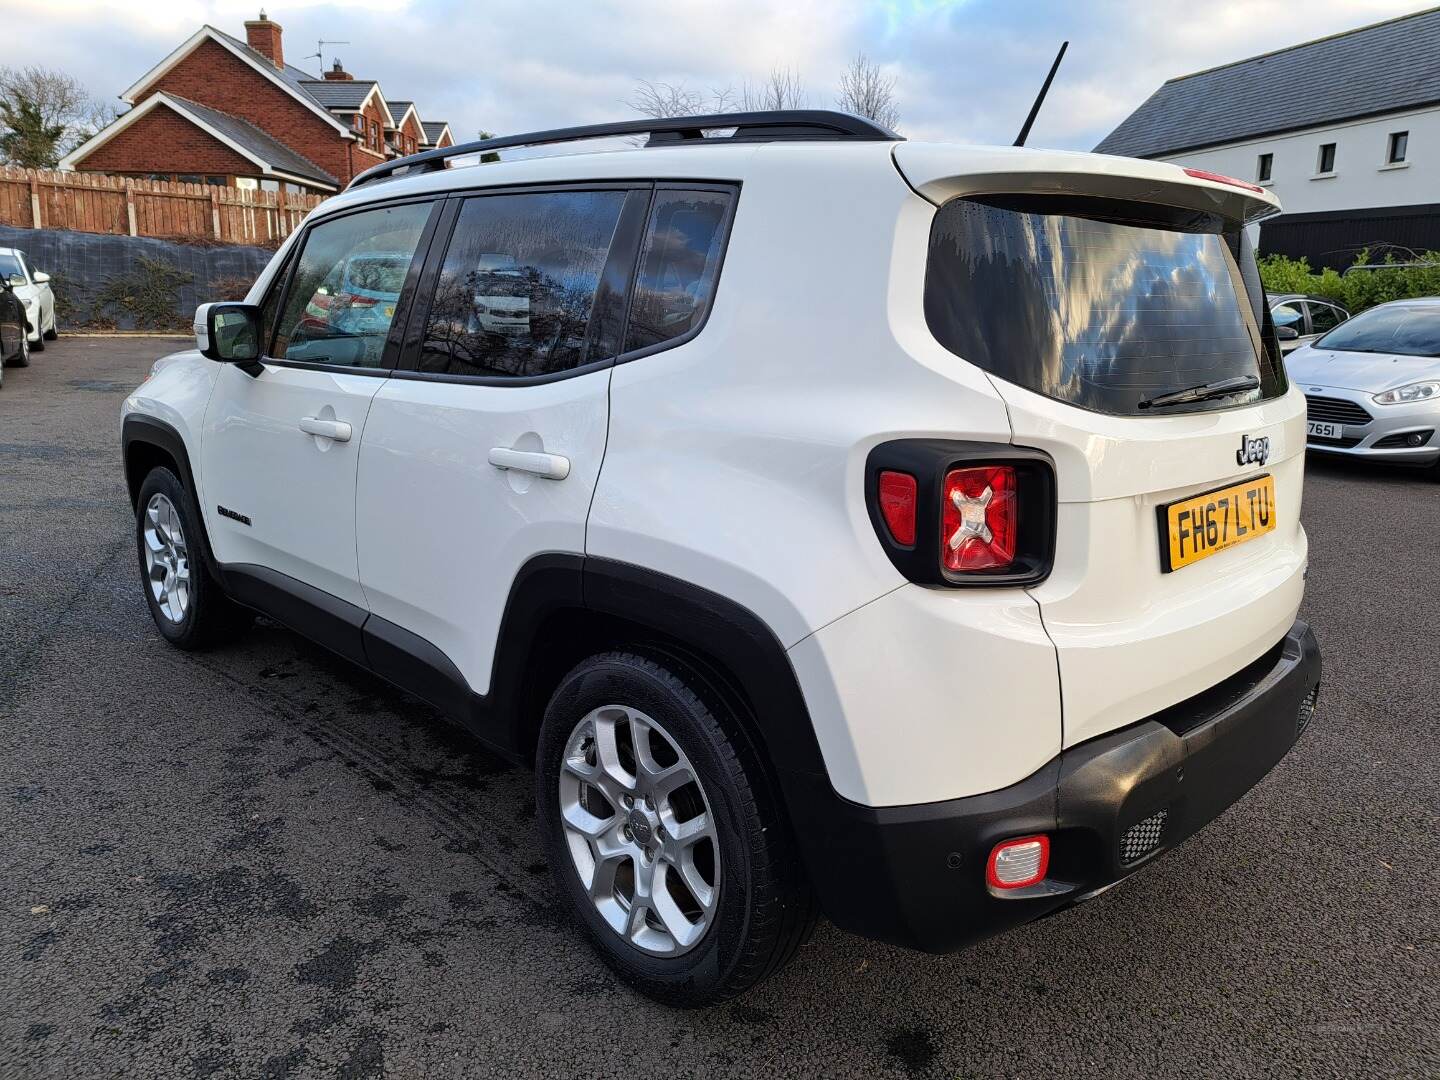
(53, 332)
(185, 601)
(38, 345)
(22, 358)
(664, 834)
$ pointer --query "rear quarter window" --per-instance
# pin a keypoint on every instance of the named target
(1098, 303)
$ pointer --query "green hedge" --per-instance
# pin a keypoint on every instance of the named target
(1355, 291)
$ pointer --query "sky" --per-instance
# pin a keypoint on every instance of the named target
(964, 70)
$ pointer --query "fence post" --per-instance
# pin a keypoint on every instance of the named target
(130, 206)
(215, 211)
(34, 200)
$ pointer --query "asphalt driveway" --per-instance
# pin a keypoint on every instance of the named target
(263, 862)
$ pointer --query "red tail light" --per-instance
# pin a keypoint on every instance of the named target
(897, 505)
(1221, 178)
(963, 514)
(979, 518)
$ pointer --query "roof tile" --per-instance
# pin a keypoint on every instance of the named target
(1382, 68)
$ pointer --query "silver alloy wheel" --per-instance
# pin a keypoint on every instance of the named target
(640, 830)
(167, 558)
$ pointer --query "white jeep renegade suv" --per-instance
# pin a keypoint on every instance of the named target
(905, 533)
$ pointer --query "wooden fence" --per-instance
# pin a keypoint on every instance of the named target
(91, 202)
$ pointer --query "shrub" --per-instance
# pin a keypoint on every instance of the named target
(148, 295)
(1358, 290)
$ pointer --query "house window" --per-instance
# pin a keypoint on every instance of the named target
(1262, 168)
(374, 135)
(1326, 164)
(1397, 147)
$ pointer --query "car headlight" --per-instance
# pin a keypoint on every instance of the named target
(1401, 395)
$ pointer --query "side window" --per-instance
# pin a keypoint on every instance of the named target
(515, 292)
(346, 284)
(270, 306)
(1287, 315)
(678, 266)
(1323, 318)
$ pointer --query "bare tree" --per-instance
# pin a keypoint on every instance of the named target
(60, 101)
(781, 89)
(867, 91)
(663, 99)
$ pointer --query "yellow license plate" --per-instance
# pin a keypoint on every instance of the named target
(1196, 528)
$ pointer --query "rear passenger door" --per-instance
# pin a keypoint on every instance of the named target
(484, 447)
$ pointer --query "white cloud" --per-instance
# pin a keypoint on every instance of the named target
(966, 70)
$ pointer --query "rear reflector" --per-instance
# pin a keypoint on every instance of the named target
(1013, 864)
(979, 518)
(897, 505)
(1221, 178)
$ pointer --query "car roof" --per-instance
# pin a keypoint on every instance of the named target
(722, 160)
(1412, 301)
(1285, 298)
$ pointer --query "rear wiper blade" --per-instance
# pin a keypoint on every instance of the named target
(1204, 392)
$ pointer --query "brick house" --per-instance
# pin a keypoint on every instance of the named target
(223, 111)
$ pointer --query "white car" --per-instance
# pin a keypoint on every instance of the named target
(1372, 385)
(33, 288)
(906, 533)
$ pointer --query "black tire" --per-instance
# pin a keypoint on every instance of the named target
(51, 334)
(764, 909)
(38, 345)
(22, 359)
(210, 617)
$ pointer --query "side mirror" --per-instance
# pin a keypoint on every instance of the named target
(41, 277)
(228, 332)
(1286, 333)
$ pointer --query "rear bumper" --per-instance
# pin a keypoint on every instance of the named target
(915, 875)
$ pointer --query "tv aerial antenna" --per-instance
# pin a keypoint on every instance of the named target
(319, 53)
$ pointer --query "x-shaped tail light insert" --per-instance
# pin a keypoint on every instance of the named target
(972, 517)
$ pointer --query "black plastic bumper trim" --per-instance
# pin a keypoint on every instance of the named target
(915, 875)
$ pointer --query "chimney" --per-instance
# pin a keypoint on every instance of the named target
(263, 36)
(337, 73)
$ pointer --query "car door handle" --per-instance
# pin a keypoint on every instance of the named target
(550, 466)
(338, 430)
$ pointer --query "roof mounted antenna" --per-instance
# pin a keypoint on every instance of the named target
(1040, 99)
(319, 53)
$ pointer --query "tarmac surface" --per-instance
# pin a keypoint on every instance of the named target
(263, 862)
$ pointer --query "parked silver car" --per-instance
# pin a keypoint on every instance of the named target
(1300, 319)
(1373, 384)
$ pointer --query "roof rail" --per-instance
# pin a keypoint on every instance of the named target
(773, 126)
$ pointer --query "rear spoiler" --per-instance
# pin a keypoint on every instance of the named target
(940, 172)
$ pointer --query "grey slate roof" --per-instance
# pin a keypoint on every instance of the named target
(433, 128)
(255, 141)
(338, 93)
(290, 73)
(1376, 69)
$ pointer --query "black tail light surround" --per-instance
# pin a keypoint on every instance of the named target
(930, 461)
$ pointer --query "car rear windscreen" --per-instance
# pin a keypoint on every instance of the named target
(1102, 304)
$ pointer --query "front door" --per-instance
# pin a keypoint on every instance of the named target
(280, 444)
